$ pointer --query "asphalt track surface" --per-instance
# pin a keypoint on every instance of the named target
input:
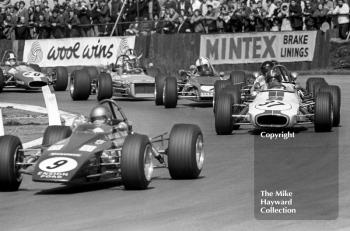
(222, 199)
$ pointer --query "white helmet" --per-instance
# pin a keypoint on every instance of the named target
(11, 60)
(203, 66)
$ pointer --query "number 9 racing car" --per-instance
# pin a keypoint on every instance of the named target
(110, 151)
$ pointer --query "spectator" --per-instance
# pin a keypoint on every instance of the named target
(342, 10)
(22, 29)
(210, 20)
(72, 24)
(197, 22)
(320, 16)
(295, 14)
(260, 14)
(104, 18)
(183, 26)
(308, 13)
(84, 17)
(223, 20)
(42, 27)
(56, 22)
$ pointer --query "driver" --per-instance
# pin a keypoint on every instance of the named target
(100, 115)
(260, 83)
(273, 80)
(204, 67)
(11, 60)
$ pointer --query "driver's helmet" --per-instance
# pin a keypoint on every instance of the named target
(266, 67)
(203, 66)
(273, 79)
(11, 59)
(100, 115)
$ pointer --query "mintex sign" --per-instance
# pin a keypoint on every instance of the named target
(293, 46)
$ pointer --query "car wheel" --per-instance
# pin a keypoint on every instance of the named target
(237, 77)
(136, 162)
(317, 86)
(185, 151)
(55, 133)
(35, 67)
(10, 149)
(223, 115)
(336, 101)
(310, 82)
(104, 87)
(158, 90)
(218, 86)
(323, 112)
(235, 92)
(80, 86)
(61, 79)
(93, 72)
(2, 80)
(170, 92)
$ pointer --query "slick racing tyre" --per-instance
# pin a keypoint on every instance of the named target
(237, 77)
(80, 86)
(136, 162)
(92, 72)
(61, 79)
(104, 87)
(158, 90)
(2, 80)
(310, 82)
(323, 112)
(185, 151)
(223, 114)
(170, 92)
(35, 67)
(336, 101)
(235, 92)
(55, 133)
(219, 85)
(10, 177)
(317, 86)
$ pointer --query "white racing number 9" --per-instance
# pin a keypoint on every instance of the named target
(58, 164)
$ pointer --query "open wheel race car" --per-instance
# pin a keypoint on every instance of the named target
(110, 151)
(122, 79)
(29, 76)
(318, 104)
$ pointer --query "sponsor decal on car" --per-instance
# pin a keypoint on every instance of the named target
(87, 148)
(64, 154)
(273, 105)
(55, 147)
(52, 175)
(99, 142)
(58, 164)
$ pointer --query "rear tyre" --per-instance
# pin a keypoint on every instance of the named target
(323, 112)
(10, 177)
(80, 86)
(317, 86)
(185, 151)
(158, 90)
(336, 101)
(104, 87)
(55, 133)
(35, 67)
(92, 71)
(237, 77)
(235, 92)
(2, 80)
(170, 93)
(136, 162)
(310, 84)
(223, 115)
(61, 79)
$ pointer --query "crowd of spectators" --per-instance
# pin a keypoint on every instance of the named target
(75, 18)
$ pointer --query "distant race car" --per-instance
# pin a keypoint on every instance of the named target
(198, 87)
(285, 107)
(110, 151)
(29, 76)
(121, 79)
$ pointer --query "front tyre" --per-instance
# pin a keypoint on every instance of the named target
(80, 86)
(104, 87)
(170, 93)
(2, 80)
(136, 162)
(10, 177)
(223, 114)
(185, 151)
(336, 101)
(158, 90)
(61, 82)
(323, 112)
(55, 133)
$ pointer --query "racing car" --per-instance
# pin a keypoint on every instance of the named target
(97, 152)
(197, 84)
(29, 76)
(282, 107)
(121, 79)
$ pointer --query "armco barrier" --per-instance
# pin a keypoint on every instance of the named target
(171, 52)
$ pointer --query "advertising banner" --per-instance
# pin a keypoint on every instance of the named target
(288, 46)
(87, 51)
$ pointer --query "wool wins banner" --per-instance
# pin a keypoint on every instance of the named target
(291, 46)
(92, 51)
